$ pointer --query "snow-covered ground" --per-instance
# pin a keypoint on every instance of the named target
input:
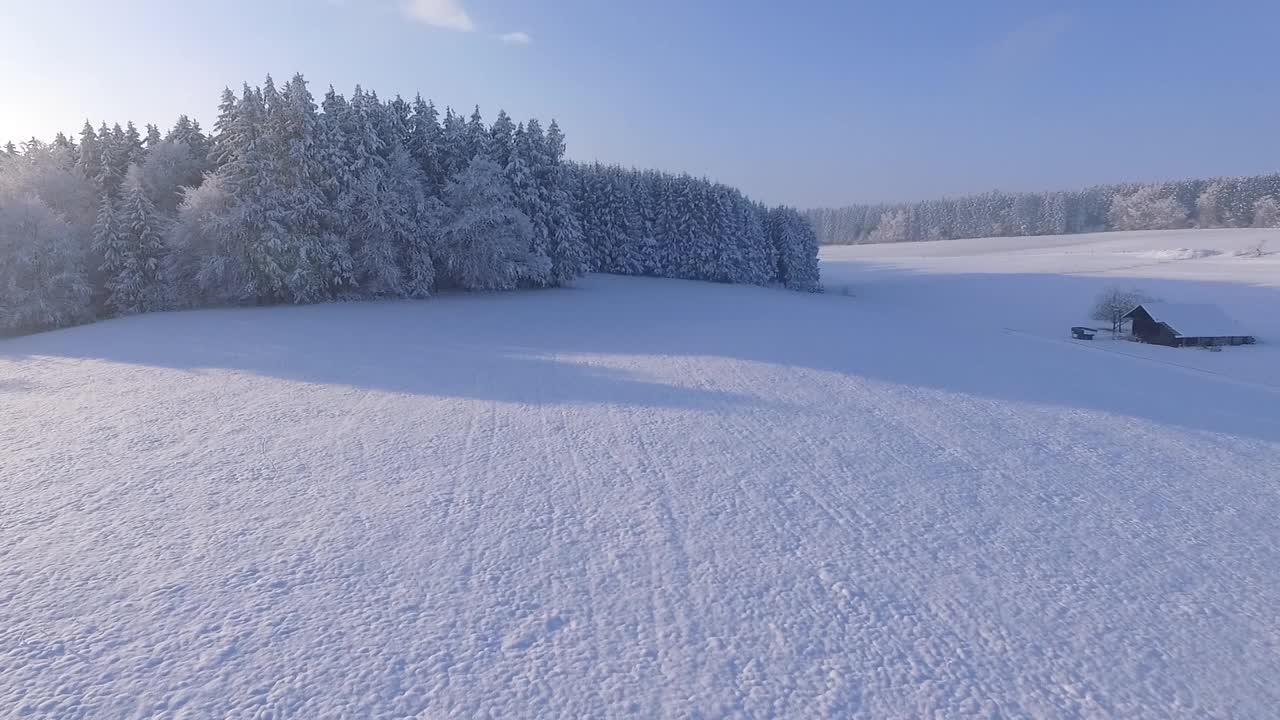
(645, 498)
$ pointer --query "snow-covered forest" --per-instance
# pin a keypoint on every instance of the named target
(287, 201)
(652, 223)
(1222, 202)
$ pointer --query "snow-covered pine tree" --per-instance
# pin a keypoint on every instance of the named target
(110, 250)
(618, 211)
(133, 148)
(124, 146)
(761, 255)
(153, 138)
(187, 132)
(501, 137)
(320, 265)
(223, 146)
(484, 238)
(110, 170)
(727, 236)
(565, 246)
(425, 145)
(645, 194)
(477, 134)
(367, 216)
(397, 118)
(413, 222)
(131, 238)
(257, 238)
(455, 148)
(1054, 214)
(797, 247)
(62, 142)
(522, 175)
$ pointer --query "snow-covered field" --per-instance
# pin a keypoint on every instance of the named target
(648, 498)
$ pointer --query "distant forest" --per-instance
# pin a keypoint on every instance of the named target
(290, 201)
(1221, 202)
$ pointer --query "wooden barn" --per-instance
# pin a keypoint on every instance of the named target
(1185, 325)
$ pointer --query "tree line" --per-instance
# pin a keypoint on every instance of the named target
(654, 223)
(287, 200)
(1221, 202)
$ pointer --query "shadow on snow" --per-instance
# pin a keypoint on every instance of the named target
(947, 332)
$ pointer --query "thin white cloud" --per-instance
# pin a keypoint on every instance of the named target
(1029, 43)
(517, 38)
(447, 14)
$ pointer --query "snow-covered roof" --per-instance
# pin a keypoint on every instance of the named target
(1192, 320)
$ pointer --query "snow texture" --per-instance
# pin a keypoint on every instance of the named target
(656, 498)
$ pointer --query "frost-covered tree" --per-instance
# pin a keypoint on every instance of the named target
(52, 174)
(1209, 209)
(134, 150)
(317, 255)
(797, 249)
(893, 227)
(130, 240)
(42, 278)
(1266, 212)
(425, 145)
(477, 135)
(564, 242)
(204, 266)
(484, 238)
(533, 177)
(500, 139)
(1147, 208)
(416, 218)
(222, 147)
(257, 238)
(288, 203)
(89, 161)
(169, 167)
(153, 138)
(188, 132)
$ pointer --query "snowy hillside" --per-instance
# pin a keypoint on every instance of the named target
(657, 498)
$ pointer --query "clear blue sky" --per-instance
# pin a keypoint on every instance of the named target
(817, 102)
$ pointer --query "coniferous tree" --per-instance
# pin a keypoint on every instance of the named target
(455, 147)
(223, 146)
(62, 142)
(425, 145)
(501, 138)
(89, 161)
(484, 238)
(285, 203)
(133, 244)
(134, 151)
(797, 249)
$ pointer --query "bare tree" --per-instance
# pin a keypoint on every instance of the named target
(1114, 303)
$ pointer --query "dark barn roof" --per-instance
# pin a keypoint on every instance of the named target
(1186, 320)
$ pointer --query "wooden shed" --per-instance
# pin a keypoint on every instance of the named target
(1185, 325)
